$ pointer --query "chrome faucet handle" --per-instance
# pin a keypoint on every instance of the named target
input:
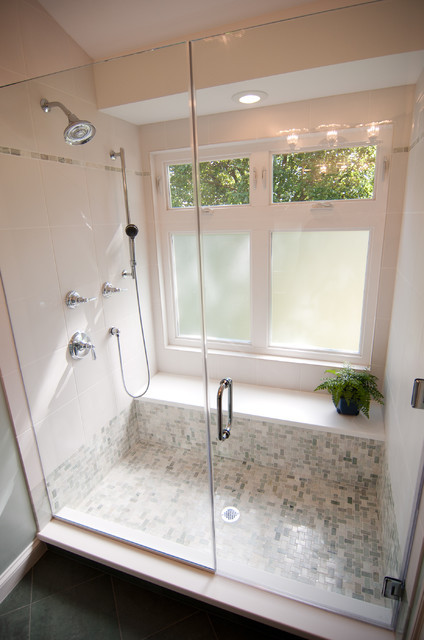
(80, 346)
(73, 299)
(108, 289)
(85, 347)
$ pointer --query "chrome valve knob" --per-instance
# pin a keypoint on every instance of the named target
(108, 289)
(73, 299)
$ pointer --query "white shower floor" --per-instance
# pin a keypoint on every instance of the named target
(319, 534)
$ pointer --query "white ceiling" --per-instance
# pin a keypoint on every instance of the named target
(106, 28)
(337, 79)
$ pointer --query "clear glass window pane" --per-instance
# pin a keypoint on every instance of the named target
(222, 182)
(331, 174)
(227, 285)
(318, 281)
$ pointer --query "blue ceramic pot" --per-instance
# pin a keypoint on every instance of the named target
(346, 409)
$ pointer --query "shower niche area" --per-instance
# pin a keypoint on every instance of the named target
(127, 343)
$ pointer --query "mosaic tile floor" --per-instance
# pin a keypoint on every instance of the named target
(321, 534)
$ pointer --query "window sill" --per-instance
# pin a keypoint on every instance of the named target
(303, 409)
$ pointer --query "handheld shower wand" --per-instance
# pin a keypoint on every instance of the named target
(132, 230)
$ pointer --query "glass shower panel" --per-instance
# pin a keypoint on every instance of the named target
(120, 425)
(303, 504)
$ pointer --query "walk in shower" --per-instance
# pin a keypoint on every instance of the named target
(193, 270)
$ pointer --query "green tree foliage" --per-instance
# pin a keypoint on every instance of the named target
(222, 182)
(331, 174)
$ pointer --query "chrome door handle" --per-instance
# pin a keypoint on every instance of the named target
(226, 383)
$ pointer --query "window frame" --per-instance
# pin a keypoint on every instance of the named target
(260, 218)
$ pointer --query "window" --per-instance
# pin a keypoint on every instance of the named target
(312, 272)
(222, 182)
(328, 174)
(290, 264)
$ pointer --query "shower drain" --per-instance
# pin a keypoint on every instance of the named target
(230, 514)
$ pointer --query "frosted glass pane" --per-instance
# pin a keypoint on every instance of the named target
(227, 285)
(187, 287)
(318, 280)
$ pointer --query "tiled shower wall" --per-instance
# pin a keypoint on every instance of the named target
(404, 425)
(61, 229)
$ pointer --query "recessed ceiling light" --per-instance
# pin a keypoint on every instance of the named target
(249, 97)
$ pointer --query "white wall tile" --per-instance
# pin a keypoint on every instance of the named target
(31, 460)
(65, 189)
(59, 435)
(112, 253)
(37, 325)
(22, 198)
(17, 402)
(75, 257)
(105, 193)
(405, 436)
(392, 233)
(88, 371)
(50, 383)
(414, 196)
(28, 264)
(97, 406)
(8, 356)
(397, 176)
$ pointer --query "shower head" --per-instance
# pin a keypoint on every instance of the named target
(78, 131)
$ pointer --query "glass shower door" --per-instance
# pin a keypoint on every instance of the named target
(293, 198)
(135, 465)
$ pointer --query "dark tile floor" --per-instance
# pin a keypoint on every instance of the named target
(64, 597)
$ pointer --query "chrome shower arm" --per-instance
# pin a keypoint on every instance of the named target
(47, 106)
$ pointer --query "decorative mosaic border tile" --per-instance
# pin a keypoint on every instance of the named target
(35, 155)
(389, 533)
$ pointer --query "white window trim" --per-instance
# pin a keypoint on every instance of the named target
(272, 217)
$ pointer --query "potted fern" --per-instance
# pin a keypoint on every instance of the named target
(352, 390)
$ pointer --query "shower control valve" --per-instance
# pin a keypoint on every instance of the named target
(80, 346)
(108, 289)
(73, 299)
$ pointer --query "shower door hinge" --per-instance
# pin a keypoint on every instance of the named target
(393, 588)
